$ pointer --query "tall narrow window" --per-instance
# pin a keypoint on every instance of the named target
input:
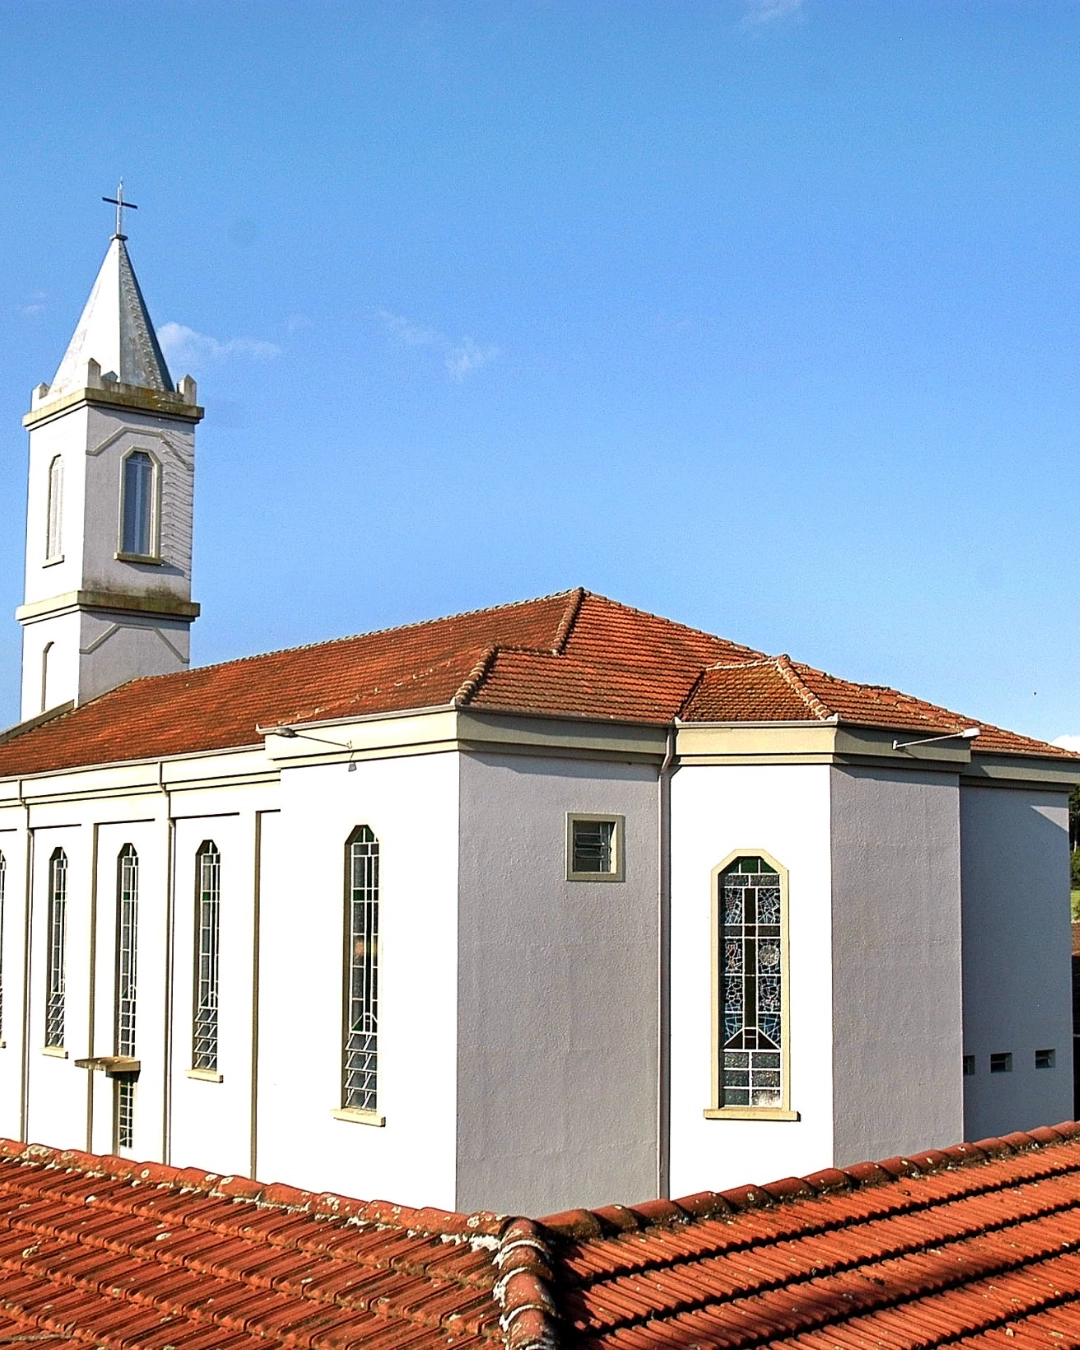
(204, 1054)
(56, 954)
(360, 1059)
(751, 1050)
(55, 525)
(127, 920)
(138, 505)
(3, 889)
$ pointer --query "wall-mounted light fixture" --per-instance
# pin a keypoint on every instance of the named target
(289, 733)
(968, 734)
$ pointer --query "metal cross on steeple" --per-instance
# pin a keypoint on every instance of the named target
(121, 207)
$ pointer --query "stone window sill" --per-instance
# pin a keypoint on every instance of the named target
(358, 1117)
(152, 560)
(205, 1075)
(54, 1051)
(749, 1113)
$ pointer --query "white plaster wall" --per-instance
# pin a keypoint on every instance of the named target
(65, 436)
(1016, 955)
(557, 1075)
(411, 804)
(896, 962)
(211, 1122)
(13, 847)
(57, 1090)
(782, 810)
(172, 445)
(150, 840)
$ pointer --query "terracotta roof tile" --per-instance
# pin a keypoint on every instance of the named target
(569, 655)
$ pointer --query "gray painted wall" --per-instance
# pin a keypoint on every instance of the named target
(1017, 990)
(896, 963)
(557, 1074)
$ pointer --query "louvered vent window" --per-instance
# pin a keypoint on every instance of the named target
(751, 985)
(207, 940)
(127, 919)
(56, 953)
(360, 1060)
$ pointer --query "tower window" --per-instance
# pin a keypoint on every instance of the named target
(127, 917)
(55, 512)
(56, 953)
(138, 505)
(360, 1059)
(204, 1053)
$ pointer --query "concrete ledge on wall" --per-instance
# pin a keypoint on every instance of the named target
(358, 1117)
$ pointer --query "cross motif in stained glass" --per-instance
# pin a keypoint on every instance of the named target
(751, 992)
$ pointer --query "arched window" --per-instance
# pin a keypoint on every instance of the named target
(204, 1051)
(55, 512)
(750, 1047)
(127, 921)
(56, 952)
(361, 1031)
(138, 510)
(3, 889)
(46, 652)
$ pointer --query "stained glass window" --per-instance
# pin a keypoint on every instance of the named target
(56, 952)
(127, 919)
(204, 1052)
(751, 985)
(360, 1068)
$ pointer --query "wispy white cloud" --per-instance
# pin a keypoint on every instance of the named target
(462, 357)
(466, 357)
(35, 305)
(1067, 742)
(759, 12)
(408, 330)
(187, 347)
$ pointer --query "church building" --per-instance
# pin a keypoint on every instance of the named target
(540, 906)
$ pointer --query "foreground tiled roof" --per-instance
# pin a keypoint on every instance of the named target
(574, 654)
(975, 1246)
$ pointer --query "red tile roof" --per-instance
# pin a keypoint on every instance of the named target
(574, 654)
(977, 1246)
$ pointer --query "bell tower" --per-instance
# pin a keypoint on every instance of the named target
(109, 507)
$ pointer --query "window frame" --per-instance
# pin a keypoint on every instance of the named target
(210, 1071)
(54, 511)
(56, 988)
(125, 995)
(716, 1110)
(154, 524)
(361, 1115)
(618, 836)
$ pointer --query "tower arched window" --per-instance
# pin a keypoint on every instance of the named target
(55, 512)
(56, 951)
(204, 1050)
(361, 1030)
(138, 492)
(750, 1043)
(127, 927)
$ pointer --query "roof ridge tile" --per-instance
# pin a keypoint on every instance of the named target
(569, 618)
(786, 667)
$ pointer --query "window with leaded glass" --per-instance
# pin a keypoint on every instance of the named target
(751, 995)
(127, 920)
(204, 1053)
(56, 950)
(361, 1040)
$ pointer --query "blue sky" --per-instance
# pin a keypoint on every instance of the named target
(763, 316)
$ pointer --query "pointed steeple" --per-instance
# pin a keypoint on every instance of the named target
(115, 331)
